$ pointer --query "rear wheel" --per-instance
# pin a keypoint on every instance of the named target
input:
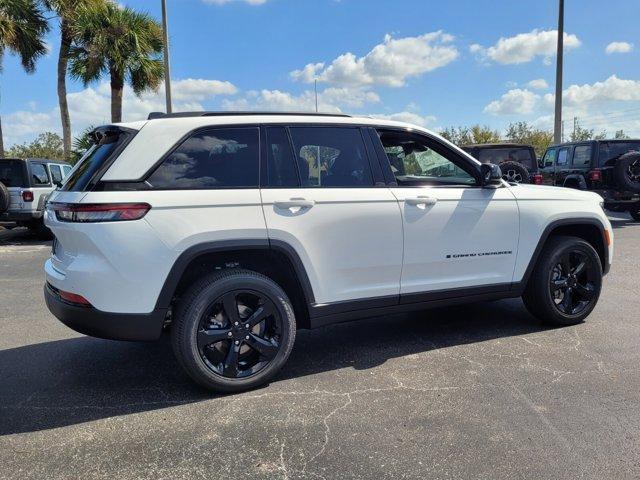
(514, 172)
(233, 330)
(40, 230)
(635, 213)
(565, 284)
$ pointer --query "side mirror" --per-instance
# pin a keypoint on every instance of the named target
(491, 174)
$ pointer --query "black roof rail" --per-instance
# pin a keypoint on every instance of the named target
(154, 115)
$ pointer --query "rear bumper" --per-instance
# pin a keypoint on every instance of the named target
(96, 323)
(20, 216)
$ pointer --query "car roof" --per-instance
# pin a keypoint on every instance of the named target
(497, 145)
(33, 159)
(608, 140)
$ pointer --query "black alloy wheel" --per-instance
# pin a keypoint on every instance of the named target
(239, 334)
(565, 284)
(572, 282)
(233, 330)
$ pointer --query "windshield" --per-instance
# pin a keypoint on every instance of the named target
(12, 173)
(95, 158)
(507, 154)
(610, 151)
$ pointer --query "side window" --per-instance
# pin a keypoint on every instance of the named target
(210, 159)
(331, 157)
(56, 174)
(415, 161)
(281, 163)
(66, 170)
(582, 155)
(549, 157)
(563, 157)
(39, 175)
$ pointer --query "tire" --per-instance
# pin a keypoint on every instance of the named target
(5, 198)
(627, 172)
(635, 213)
(219, 366)
(515, 172)
(551, 272)
(40, 230)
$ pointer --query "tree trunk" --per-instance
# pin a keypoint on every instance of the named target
(117, 87)
(63, 59)
(1, 141)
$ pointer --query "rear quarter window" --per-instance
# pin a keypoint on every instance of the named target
(609, 152)
(211, 159)
(12, 173)
(39, 175)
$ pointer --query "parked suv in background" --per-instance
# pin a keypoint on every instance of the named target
(237, 229)
(25, 185)
(609, 167)
(518, 162)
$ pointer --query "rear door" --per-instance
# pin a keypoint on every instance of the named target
(563, 165)
(548, 166)
(320, 197)
(457, 235)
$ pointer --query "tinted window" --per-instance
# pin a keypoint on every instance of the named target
(281, 168)
(549, 157)
(582, 155)
(56, 173)
(415, 161)
(39, 175)
(216, 158)
(331, 157)
(610, 151)
(12, 173)
(499, 155)
(563, 154)
(94, 159)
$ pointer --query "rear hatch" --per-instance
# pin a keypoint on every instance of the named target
(13, 174)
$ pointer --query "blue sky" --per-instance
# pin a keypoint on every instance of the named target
(433, 63)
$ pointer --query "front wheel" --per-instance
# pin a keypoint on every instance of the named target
(233, 330)
(566, 282)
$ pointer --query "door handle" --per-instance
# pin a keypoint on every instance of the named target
(294, 203)
(421, 200)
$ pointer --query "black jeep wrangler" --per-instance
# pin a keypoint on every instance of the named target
(517, 162)
(608, 167)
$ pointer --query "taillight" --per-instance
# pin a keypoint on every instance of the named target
(27, 196)
(99, 212)
(536, 179)
(595, 175)
(73, 298)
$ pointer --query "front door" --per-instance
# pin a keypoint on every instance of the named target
(456, 233)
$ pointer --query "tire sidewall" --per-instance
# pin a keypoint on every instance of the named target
(551, 261)
(521, 169)
(5, 198)
(192, 315)
(620, 172)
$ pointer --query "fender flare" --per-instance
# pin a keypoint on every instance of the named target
(545, 236)
(186, 257)
(582, 183)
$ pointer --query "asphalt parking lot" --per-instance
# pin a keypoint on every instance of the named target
(480, 391)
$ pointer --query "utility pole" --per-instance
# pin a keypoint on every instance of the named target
(557, 126)
(167, 69)
(562, 132)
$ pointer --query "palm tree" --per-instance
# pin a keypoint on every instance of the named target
(22, 28)
(120, 42)
(67, 12)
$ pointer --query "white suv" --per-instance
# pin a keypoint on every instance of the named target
(237, 229)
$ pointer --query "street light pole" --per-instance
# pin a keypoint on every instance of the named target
(167, 70)
(557, 126)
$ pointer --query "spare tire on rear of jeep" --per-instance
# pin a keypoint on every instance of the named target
(5, 199)
(627, 172)
(515, 172)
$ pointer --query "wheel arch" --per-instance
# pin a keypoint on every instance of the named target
(275, 259)
(590, 230)
(575, 181)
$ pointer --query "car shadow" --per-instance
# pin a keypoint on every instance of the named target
(618, 222)
(71, 381)
(10, 235)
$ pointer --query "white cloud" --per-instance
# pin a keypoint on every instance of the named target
(613, 89)
(92, 106)
(390, 63)
(516, 101)
(618, 47)
(524, 47)
(224, 2)
(408, 117)
(538, 84)
(330, 100)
